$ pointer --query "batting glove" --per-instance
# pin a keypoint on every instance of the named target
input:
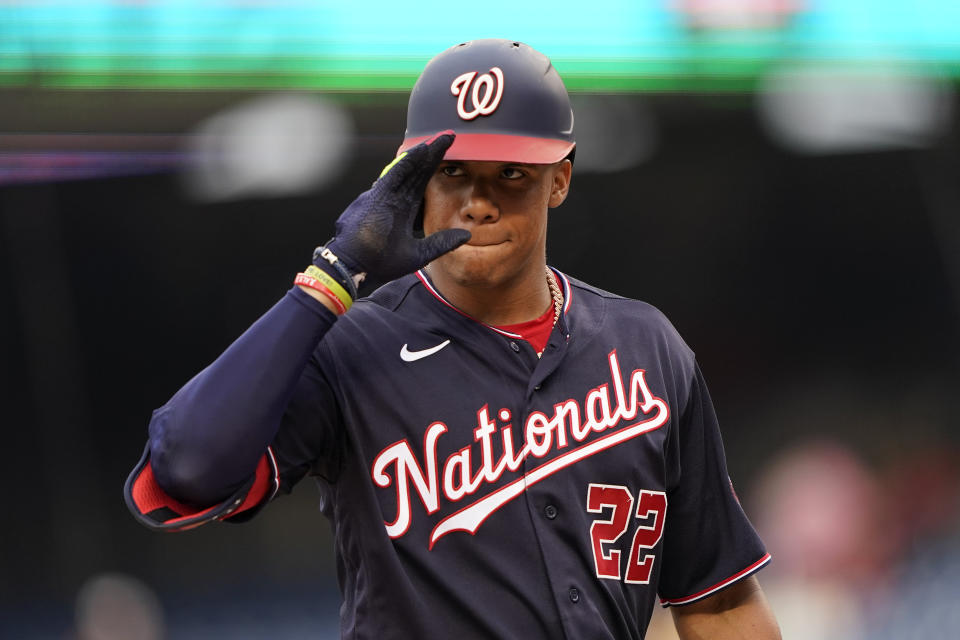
(375, 240)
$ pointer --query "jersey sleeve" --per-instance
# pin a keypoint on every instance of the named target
(310, 438)
(251, 423)
(157, 510)
(709, 543)
(307, 442)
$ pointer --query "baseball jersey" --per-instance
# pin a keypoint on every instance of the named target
(477, 490)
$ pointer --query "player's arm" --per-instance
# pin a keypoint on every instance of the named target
(711, 551)
(739, 612)
(208, 442)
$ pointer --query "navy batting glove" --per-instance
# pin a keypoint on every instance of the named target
(375, 240)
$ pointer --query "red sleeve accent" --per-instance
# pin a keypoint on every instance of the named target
(151, 505)
(265, 483)
(149, 497)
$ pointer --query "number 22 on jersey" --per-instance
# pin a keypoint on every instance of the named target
(651, 511)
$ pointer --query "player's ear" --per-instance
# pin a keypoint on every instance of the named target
(561, 182)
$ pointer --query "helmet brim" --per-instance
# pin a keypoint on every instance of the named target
(498, 147)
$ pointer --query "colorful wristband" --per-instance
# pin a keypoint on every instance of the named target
(341, 302)
(331, 283)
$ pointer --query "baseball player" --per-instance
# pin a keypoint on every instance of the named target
(503, 451)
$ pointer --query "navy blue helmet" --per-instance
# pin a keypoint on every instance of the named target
(503, 99)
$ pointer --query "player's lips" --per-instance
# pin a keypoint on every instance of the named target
(485, 240)
(491, 243)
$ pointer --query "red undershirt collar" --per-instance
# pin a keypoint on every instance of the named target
(537, 331)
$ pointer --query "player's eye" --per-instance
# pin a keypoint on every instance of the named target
(451, 170)
(511, 173)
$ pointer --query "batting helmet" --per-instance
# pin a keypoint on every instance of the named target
(503, 99)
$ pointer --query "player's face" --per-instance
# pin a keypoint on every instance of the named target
(504, 206)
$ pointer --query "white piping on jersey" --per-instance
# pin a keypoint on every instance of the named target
(567, 290)
(567, 296)
(753, 568)
(436, 294)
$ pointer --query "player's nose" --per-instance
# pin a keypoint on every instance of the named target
(480, 206)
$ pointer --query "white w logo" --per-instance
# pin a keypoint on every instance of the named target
(483, 105)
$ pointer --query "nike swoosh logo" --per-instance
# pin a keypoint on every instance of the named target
(412, 356)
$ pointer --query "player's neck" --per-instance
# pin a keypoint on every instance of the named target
(519, 299)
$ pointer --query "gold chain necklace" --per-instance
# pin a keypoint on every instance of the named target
(557, 296)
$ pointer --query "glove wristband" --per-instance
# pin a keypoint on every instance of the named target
(318, 280)
(323, 256)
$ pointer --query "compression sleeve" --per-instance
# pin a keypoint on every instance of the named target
(206, 442)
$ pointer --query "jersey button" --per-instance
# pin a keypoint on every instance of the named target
(515, 347)
(574, 594)
(550, 511)
(537, 388)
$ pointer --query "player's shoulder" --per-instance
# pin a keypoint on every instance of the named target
(595, 294)
(376, 324)
(386, 299)
(390, 296)
(640, 332)
(379, 309)
(621, 311)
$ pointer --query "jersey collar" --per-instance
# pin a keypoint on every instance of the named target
(564, 283)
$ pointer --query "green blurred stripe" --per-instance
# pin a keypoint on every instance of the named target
(322, 82)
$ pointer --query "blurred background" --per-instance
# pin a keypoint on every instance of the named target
(780, 177)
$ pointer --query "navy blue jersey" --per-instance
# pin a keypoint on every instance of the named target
(477, 490)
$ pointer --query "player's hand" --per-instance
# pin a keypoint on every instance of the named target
(375, 234)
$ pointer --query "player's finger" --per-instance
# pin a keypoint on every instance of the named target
(413, 164)
(434, 150)
(438, 243)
